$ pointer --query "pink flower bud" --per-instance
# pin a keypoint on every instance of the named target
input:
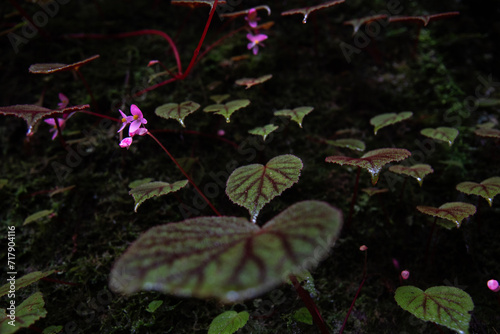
(363, 248)
(493, 285)
(405, 274)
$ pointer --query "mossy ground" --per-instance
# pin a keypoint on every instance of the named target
(95, 221)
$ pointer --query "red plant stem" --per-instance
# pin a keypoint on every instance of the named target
(185, 174)
(86, 84)
(28, 18)
(310, 305)
(354, 196)
(99, 115)
(233, 144)
(352, 304)
(200, 43)
(150, 88)
(217, 42)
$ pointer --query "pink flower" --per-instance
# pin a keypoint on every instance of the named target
(64, 101)
(137, 119)
(363, 248)
(125, 120)
(60, 121)
(493, 285)
(126, 142)
(405, 274)
(252, 18)
(255, 41)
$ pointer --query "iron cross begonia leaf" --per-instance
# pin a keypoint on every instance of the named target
(26, 314)
(444, 305)
(255, 185)
(249, 82)
(177, 111)
(487, 189)
(25, 281)
(296, 114)
(452, 211)
(227, 258)
(228, 108)
(384, 120)
(57, 67)
(152, 189)
(263, 130)
(308, 10)
(418, 171)
(373, 161)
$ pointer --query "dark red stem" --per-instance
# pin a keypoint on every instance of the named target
(27, 17)
(86, 84)
(100, 115)
(352, 304)
(192, 132)
(185, 174)
(310, 305)
(354, 197)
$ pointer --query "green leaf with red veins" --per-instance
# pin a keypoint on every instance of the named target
(263, 130)
(384, 120)
(444, 305)
(297, 114)
(352, 144)
(487, 189)
(227, 109)
(373, 161)
(177, 111)
(492, 133)
(57, 67)
(249, 82)
(156, 188)
(418, 171)
(453, 211)
(254, 186)
(25, 281)
(33, 114)
(442, 133)
(219, 98)
(27, 313)
(227, 258)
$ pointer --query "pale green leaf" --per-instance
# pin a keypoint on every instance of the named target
(25, 281)
(228, 322)
(153, 306)
(249, 82)
(227, 109)
(263, 131)
(303, 315)
(487, 189)
(177, 111)
(384, 120)
(37, 215)
(452, 211)
(418, 171)
(53, 330)
(156, 188)
(27, 313)
(442, 133)
(296, 114)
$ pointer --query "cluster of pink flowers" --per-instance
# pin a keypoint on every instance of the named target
(255, 38)
(136, 122)
(61, 121)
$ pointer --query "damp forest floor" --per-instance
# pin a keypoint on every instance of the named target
(434, 73)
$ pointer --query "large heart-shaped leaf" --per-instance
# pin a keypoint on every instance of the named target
(156, 188)
(442, 133)
(453, 211)
(25, 281)
(33, 114)
(57, 67)
(249, 82)
(373, 161)
(227, 109)
(444, 305)
(255, 185)
(352, 144)
(418, 171)
(384, 120)
(492, 133)
(263, 130)
(228, 322)
(177, 111)
(487, 189)
(29, 311)
(308, 10)
(296, 114)
(228, 258)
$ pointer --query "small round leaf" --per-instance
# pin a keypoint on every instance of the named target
(249, 82)
(297, 114)
(228, 322)
(453, 211)
(418, 171)
(442, 133)
(487, 189)
(177, 111)
(384, 120)
(156, 188)
(227, 109)
(263, 130)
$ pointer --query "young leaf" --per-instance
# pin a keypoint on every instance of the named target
(297, 114)
(263, 130)
(228, 258)
(156, 188)
(153, 306)
(303, 315)
(418, 171)
(492, 133)
(29, 311)
(249, 82)
(25, 281)
(352, 144)
(228, 322)
(357, 23)
(227, 109)
(444, 305)
(487, 189)
(177, 111)
(33, 114)
(56, 67)
(36, 216)
(425, 19)
(373, 161)
(442, 133)
(136, 183)
(53, 330)
(254, 186)
(219, 98)
(384, 120)
(453, 211)
(308, 10)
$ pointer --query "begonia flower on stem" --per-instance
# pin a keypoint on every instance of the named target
(252, 18)
(255, 40)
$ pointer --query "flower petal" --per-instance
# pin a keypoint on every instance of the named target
(126, 142)
(133, 127)
(134, 110)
